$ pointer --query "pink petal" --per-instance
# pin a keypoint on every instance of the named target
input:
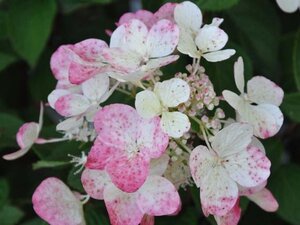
(54, 202)
(261, 90)
(245, 191)
(71, 105)
(15, 155)
(248, 168)
(100, 154)
(56, 94)
(265, 200)
(162, 39)
(27, 134)
(128, 173)
(158, 197)
(166, 11)
(143, 15)
(122, 207)
(232, 217)
(94, 182)
(148, 220)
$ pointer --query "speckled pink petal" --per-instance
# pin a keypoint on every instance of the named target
(71, 105)
(122, 207)
(162, 39)
(249, 168)
(166, 11)
(95, 87)
(54, 202)
(143, 15)
(128, 173)
(148, 220)
(265, 200)
(158, 197)
(94, 182)
(60, 62)
(261, 90)
(231, 218)
(130, 36)
(245, 191)
(56, 94)
(27, 134)
(100, 154)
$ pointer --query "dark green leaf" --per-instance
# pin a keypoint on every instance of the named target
(48, 164)
(4, 191)
(10, 215)
(5, 60)
(291, 106)
(296, 60)
(94, 215)
(69, 6)
(274, 151)
(74, 179)
(215, 5)
(9, 126)
(29, 25)
(35, 222)
(285, 185)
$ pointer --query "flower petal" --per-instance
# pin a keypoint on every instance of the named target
(95, 87)
(188, 16)
(17, 154)
(158, 166)
(172, 92)
(261, 90)
(56, 94)
(233, 99)
(158, 197)
(175, 124)
(219, 55)
(130, 36)
(148, 220)
(147, 104)
(60, 62)
(288, 6)
(231, 218)
(154, 64)
(54, 202)
(211, 38)
(122, 207)
(27, 134)
(128, 173)
(143, 15)
(239, 75)
(186, 44)
(94, 182)
(69, 124)
(162, 39)
(71, 105)
(249, 168)
(166, 11)
(232, 139)
(265, 200)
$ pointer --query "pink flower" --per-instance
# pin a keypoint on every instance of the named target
(166, 11)
(55, 203)
(125, 144)
(73, 64)
(156, 197)
(232, 217)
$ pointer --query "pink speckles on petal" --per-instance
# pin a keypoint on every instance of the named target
(158, 196)
(143, 15)
(166, 11)
(128, 173)
(27, 134)
(232, 217)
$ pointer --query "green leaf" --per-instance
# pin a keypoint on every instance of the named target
(94, 216)
(6, 60)
(285, 185)
(74, 179)
(9, 126)
(296, 60)
(274, 151)
(4, 191)
(35, 222)
(29, 25)
(10, 215)
(215, 5)
(69, 6)
(48, 164)
(3, 28)
(291, 106)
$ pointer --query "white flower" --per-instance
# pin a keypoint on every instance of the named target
(166, 94)
(259, 106)
(289, 6)
(231, 161)
(197, 42)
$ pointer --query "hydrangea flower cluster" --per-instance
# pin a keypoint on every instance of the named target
(143, 154)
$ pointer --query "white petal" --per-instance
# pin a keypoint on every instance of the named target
(95, 87)
(239, 74)
(175, 124)
(219, 55)
(261, 90)
(257, 143)
(158, 166)
(94, 182)
(186, 44)
(265, 200)
(71, 105)
(154, 64)
(172, 92)
(188, 16)
(249, 168)
(288, 6)
(130, 36)
(245, 191)
(162, 39)
(147, 104)
(56, 94)
(233, 99)
(232, 139)
(211, 38)
(69, 124)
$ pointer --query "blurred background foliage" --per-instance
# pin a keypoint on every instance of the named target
(31, 30)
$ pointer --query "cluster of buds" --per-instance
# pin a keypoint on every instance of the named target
(141, 156)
